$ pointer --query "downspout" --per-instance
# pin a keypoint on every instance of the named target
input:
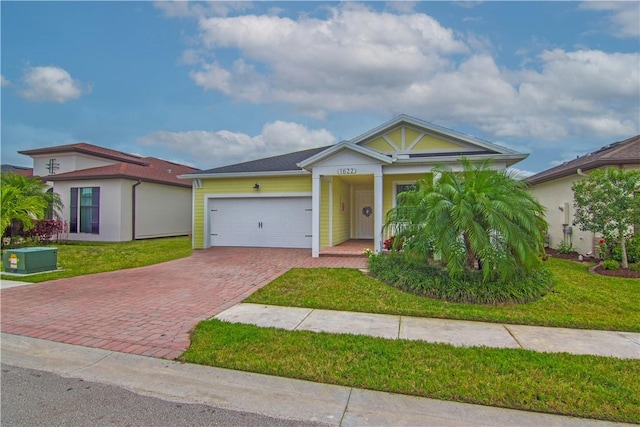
(133, 209)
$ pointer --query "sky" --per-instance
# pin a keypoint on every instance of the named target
(212, 84)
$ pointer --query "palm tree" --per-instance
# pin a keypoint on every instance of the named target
(25, 200)
(479, 218)
(16, 207)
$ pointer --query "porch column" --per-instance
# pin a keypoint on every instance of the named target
(377, 212)
(315, 215)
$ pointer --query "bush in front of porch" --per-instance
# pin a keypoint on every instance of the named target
(427, 280)
(471, 236)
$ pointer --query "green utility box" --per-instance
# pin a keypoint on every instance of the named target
(30, 260)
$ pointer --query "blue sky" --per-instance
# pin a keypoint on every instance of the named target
(210, 84)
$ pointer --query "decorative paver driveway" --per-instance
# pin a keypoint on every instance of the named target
(150, 310)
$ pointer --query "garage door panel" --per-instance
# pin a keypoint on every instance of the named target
(261, 222)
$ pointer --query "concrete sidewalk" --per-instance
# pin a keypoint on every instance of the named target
(625, 345)
(6, 284)
(273, 396)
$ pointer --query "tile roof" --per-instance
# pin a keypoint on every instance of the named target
(154, 170)
(19, 170)
(129, 166)
(282, 163)
(619, 153)
(93, 150)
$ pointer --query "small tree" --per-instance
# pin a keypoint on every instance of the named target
(16, 207)
(479, 218)
(25, 200)
(608, 202)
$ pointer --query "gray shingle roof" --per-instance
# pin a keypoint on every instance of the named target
(289, 162)
(282, 163)
(619, 153)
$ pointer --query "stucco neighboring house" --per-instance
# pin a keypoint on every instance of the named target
(321, 197)
(18, 170)
(553, 189)
(113, 196)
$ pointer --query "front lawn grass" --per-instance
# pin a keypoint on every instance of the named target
(80, 258)
(582, 386)
(579, 299)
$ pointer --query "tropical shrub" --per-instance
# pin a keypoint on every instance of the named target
(480, 219)
(565, 248)
(427, 280)
(24, 201)
(611, 264)
(46, 230)
(610, 249)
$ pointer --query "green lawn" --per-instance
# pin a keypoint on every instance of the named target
(579, 299)
(583, 386)
(80, 258)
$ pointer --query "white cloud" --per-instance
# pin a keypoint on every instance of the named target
(346, 63)
(468, 4)
(51, 84)
(520, 173)
(224, 147)
(624, 17)
(342, 63)
(182, 8)
(190, 57)
(4, 82)
(402, 6)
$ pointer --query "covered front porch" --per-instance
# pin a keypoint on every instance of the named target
(347, 196)
(349, 248)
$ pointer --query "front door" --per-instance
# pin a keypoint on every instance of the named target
(364, 214)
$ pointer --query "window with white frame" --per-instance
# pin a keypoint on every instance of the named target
(401, 187)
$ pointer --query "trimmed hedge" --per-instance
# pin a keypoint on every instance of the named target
(426, 280)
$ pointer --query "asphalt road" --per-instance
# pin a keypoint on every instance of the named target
(38, 398)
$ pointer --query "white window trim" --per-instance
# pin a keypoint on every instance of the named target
(395, 189)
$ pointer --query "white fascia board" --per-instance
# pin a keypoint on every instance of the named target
(255, 195)
(378, 129)
(434, 129)
(243, 174)
(345, 145)
(509, 159)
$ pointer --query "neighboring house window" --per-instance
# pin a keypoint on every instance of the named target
(85, 210)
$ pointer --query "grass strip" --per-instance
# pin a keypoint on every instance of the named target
(582, 386)
(80, 258)
(579, 299)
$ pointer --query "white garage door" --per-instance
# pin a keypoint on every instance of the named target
(278, 222)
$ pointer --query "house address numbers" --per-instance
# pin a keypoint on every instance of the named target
(347, 171)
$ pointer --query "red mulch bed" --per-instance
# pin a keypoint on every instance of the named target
(621, 272)
(573, 256)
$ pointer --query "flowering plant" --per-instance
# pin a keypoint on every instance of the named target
(368, 252)
(388, 244)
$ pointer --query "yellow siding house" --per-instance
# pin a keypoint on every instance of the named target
(321, 197)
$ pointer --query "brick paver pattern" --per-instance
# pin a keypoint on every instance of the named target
(150, 310)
